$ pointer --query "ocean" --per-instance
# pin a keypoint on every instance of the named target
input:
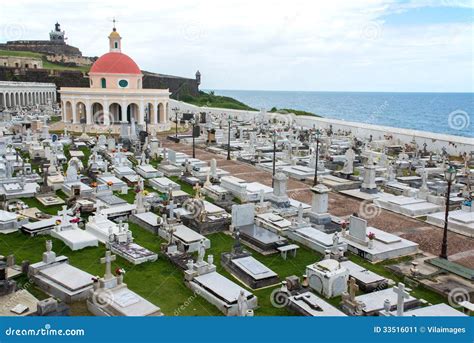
(449, 113)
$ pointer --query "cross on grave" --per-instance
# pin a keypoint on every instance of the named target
(402, 294)
(353, 288)
(170, 192)
(108, 259)
(63, 214)
(171, 208)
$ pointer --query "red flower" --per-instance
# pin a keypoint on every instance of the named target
(371, 235)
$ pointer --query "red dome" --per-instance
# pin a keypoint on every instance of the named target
(115, 63)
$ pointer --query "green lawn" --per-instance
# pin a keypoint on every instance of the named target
(217, 101)
(52, 210)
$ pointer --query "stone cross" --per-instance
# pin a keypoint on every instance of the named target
(171, 208)
(108, 259)
(63, 214)
(402, 294)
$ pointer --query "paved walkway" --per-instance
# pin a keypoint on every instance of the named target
(429, 237)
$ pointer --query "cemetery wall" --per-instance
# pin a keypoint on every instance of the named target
(435, 141)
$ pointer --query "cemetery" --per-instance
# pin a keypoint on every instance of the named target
(174, 220)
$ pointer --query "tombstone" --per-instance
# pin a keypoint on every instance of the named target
(279, 198)
(243, 215)
(214, 175)
(51, 307)
(72, 173)
(102, 141)
(390, 173)
(349, 303)
(124, 134)
(49, 256)
(348, 168)
(402, 294)
(111, 144)
(319, 205)
(357, 229)
(368, 184)
(383, 161)
(107, 260)
(111, 296)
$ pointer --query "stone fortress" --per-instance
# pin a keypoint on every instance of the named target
(56, 50)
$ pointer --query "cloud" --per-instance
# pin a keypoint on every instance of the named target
(299, 45)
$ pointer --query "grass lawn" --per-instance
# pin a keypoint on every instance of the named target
(185, 187)
(216, 101)
(53, 210)
(159, 282)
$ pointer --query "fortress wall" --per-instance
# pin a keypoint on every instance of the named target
(176, 85)
(45, 47)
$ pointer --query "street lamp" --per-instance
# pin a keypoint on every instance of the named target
(176, 109)
(193, 123)
(315, 181)
(229, 121)
(274, 139)
(450, 176)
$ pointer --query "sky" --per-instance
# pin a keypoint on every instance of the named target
(351, 45)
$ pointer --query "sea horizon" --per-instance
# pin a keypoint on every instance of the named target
(328, 91)
(438, 112)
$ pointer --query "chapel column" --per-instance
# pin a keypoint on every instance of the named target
(88, 110)
(106, 112)
(63, 111)
(141, 115)
(155, 112)
(74, 111)
(124, 112)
